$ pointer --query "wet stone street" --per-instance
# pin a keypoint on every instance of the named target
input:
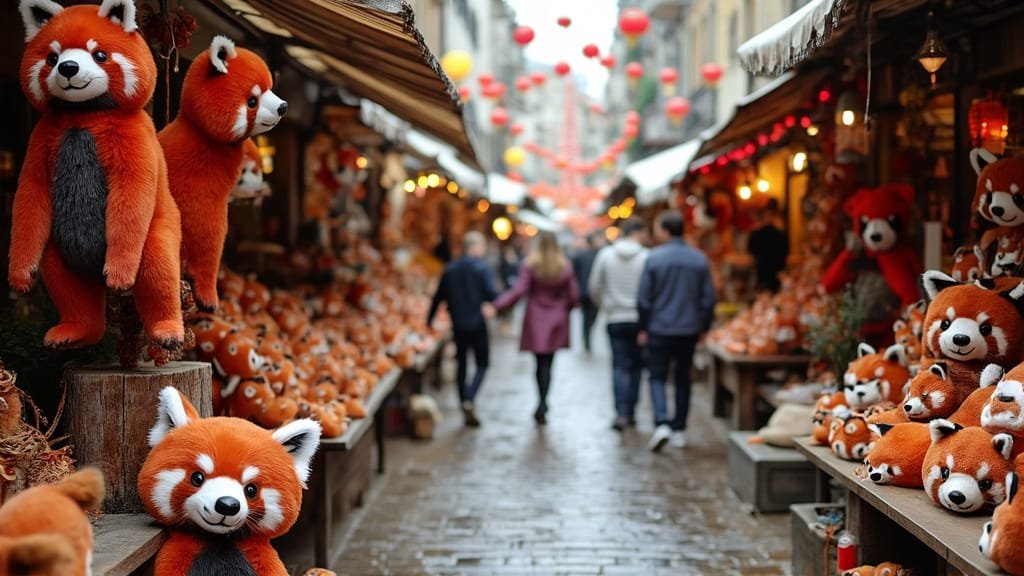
(575, 497)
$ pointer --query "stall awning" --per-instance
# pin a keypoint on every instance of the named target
(501, 190)
(792, 39)
(653, 174)
(446, 157)
(373, 48)
(537, 220)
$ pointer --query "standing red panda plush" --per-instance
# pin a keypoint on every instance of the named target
(999, 200)
(224, 487)
(93, 209)
(225, 99)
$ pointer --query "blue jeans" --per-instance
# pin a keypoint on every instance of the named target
(661, 351)
(627, 364)
(477, 341)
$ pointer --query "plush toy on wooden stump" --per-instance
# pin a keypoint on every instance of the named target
(93, 209)
(224, 487)
(225, 99)
(44, 530)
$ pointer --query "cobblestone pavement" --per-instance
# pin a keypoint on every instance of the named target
(572, 498)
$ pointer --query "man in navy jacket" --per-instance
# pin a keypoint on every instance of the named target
(466, 285)
(676, 305)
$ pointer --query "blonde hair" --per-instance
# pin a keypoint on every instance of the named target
(546, 260)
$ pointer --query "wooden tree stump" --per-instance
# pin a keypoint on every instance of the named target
(109, 413)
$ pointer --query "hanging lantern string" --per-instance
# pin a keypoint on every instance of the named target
(867, 103)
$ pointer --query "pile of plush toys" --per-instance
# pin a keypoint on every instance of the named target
(942, 410)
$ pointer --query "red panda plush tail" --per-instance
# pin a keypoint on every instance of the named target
(85, 487)
(41, 554)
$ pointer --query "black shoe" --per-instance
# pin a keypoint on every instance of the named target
(541, 417)
(620, 423)
(631, 422)
(469, 413)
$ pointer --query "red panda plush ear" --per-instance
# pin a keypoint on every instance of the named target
(939, 369)
(174, 411)
(865, 349)
(896, 353)
(222, 49)
(1015, 296)
(935, 282)
(1003, 443)
(981, 158)
(300, 439)
(991, 375)
(35, 14)
(122, 12)
(1011, 486)
(941, 428)
(880, 429)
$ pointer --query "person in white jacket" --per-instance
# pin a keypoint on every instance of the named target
(614, 285)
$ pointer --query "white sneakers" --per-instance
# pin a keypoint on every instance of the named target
(661, 436)
(678, 439)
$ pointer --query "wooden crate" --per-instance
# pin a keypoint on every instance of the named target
(808, 539)
(769, 478)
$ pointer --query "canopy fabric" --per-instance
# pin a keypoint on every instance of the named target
(652, 175)
(447, 158)
(501, 190)
(537, 220)
(791, 40)
(371, 47)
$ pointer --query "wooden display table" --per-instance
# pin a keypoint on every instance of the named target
(125, 544)
(737, 376)
(901, 524)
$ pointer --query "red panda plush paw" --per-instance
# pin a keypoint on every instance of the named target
(120, 277)
(73, 335)
(168, 334)
(21, 278)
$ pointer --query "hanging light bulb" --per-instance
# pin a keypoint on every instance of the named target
(933, 54)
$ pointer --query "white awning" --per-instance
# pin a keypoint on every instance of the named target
(447, 157)
(537, 220)
(789, 41)
(653, 174)
(501, 190)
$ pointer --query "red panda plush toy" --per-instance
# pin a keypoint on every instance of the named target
(898, 454)
(93, 209)
(1001, 538)
(1004, 409)
(999, 201)
(850, 438)
(880, 216)
(250, 185)
(224, 487)
(875, 377)
(965, 468)
(44, 530)
(225, 99)
(968, 264)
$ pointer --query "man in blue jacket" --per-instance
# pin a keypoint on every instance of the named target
(466, 285)
(676, 304)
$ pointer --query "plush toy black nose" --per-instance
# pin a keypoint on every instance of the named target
(998, 210)
(227, 506)
(907, 408)
(861, 393)
(876, 237)
(282, 109)
(961, 339)
(68, 68)
(875, 477)
(957, 497)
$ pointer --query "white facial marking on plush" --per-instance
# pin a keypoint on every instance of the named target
(975, 347)
(988, 184)
(938, 399)
(878, 234)
(1014, 188)
(91, 45)
(201, 507)
(982, 317)
(88, 81)
(241, 125)
(983, 471)
(1003, 209)
(268, 114)
(934, 475)
(166, 482)
(34, 85)
(249, 474)
(55, 46)
(951, 313)
(987, 540)
(950, 462)
(273, 515)
(933, 330)
(205, 463)
(896, 471)
(131, 79)
(914, 407)
(1001, 342)
(965, 485)
(879, 372)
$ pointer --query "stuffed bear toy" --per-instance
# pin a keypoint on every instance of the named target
(1001, 537)
(999, 201)
(875, 377)
(224, 487)
(898, 454)
(878, 257)
(225, 100)
(44, 530)
(93, 210)
(965, 468)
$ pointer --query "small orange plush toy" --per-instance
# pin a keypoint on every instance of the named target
(875, 377)
(93, 210)
(44, 530)
(883, 569)
(850, 438)
(1001, 538)
(965, 468)
(898, 454)
(225, 100)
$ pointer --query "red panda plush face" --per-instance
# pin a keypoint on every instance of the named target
(931, 394)
(1000, 538)
(974, 322)
(250, 181)
(227, 93)
(1008, 257)
(91, 56)
(965, 468)
(221, 475)
(967, 264)
(999, 197)
(898, 454)
(1004, 410)
(850, 438)
(875, 377)
(880, 214)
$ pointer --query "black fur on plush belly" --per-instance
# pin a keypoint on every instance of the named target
(221, 558)
(80, 204)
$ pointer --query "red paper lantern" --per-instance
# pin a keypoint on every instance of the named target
(465, 92)
(721, 161)
(789, 121)
(619, 146)
(530, 147)
(538, 78)
(494, 90)
(523, 35)
(516, 129)
(677, 108)
(631, 131)
(711, 73)
(824, 95)
(561, 162)
(485, 78)
(749, 149)
(668, 76)
(988, 120)
(591, 51)
(631, 117)
(762, 139)
(706, 169)
(596, 108)
(565, 21)
(523, 83)
(514, 176)
(634, 70)
(805, 121)
(608, 61)
(634, 23)
(562, 68)
(499, 116)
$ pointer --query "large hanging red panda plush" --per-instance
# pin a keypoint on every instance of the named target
(93, 209)
(225, 99)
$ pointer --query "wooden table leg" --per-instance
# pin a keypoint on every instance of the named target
(822, 487)
(717, 391)
(745, 402)
(322, 494)
(378, 436)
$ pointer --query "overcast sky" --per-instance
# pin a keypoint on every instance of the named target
(593, 21)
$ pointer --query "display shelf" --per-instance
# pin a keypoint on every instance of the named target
(953, 538)
(124, 543)
(357, 428)
(736, 377)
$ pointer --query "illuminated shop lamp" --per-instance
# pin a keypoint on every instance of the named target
(362, 162)
(763, 185)
(631, 202)
(798, 162)
(462, 194)
(422, 181)
(625, 211)
(846, 114)
(744, 192)
(267, 152)
(512, 209)
(531, 230)
(613, 212)
(502, 228)
(409, 186)
(453, 187)
(483, 206)
(433, 181)
(812, 130)
(988, 119)
(933, 54)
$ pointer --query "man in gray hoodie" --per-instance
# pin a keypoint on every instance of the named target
(614, 284)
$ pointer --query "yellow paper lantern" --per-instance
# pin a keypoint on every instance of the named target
(502, 228)
(514, 156)
(457, 64)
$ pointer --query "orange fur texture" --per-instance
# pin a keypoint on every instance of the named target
(875, 377)
(850, 438)
(932, 394)
(1001, 538)
(898, 454)
(44, 529)
(223, 486)
(965, 469)
(221, 99)
(143, 227)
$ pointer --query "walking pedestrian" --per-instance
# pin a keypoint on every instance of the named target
(546, 280)
(676, 305)
(466, 286)
(582, 264)
(614, 284)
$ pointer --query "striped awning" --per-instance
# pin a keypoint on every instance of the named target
(373, 49)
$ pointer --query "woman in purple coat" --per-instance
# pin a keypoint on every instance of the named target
(547, 281)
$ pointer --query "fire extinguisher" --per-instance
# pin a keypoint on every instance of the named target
(846, 551)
